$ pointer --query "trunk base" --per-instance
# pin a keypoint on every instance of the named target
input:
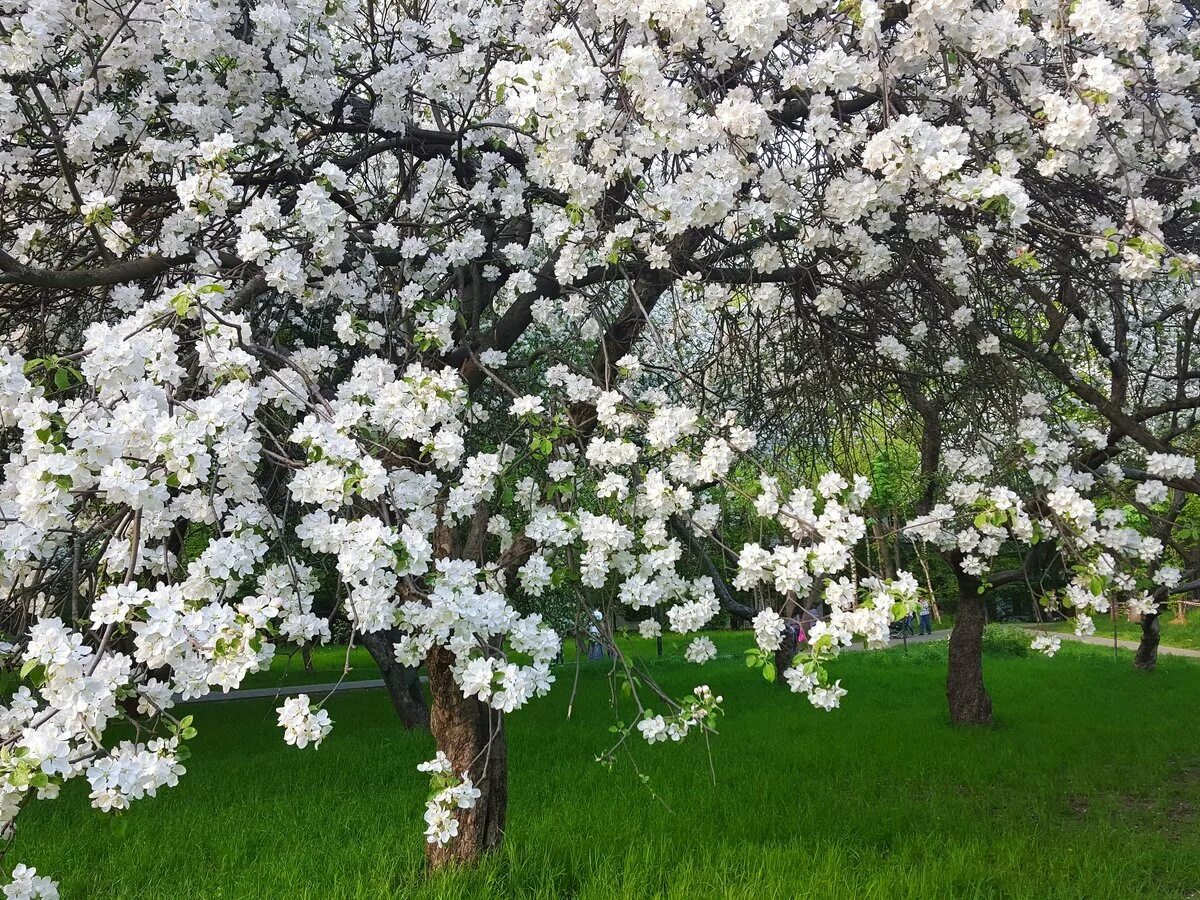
(965, 691)
(1146, 657)
(471, 734)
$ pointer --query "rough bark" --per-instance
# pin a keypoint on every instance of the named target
(965, 691)
(785, 654)
(402, 682)
(1146, 657)
(471, 734)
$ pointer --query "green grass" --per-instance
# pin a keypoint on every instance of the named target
(1185, 635)
(1088, 785)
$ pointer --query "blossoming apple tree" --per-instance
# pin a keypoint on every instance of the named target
(179, 421)
(268, 269)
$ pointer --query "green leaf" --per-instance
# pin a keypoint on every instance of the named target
(62, 380)
(769, 671)
(181, 303)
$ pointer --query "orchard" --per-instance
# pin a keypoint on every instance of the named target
(483, 335)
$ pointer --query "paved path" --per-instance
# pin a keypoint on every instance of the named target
(292, 690)
(939, 635)
(1100, 640)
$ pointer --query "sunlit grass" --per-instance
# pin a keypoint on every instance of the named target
(1087, 786)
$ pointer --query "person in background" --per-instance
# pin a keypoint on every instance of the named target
(809, 618)
(926, 617)
(595, 647)
(794, 630)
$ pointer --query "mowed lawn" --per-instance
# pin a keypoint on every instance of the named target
(1088, 785)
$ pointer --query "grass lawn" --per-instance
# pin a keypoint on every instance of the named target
(1185, 635)
(1088, 785)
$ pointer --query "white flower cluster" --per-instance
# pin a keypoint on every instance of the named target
(301, 724)
(699, 709)
(768, 630)
(449, 794)
(825, 525)
(700, 650)
(465, 613)
(133, 771)
(1046, 644)
(1169, 465)
(26, 884)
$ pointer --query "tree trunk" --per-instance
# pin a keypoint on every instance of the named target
(786, 653)
(791, 638)
(403, 683)
(1146, 657)
(969, 700)
(471, 734)
(887, 568)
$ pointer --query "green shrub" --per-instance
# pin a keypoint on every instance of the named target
(1005, 640)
